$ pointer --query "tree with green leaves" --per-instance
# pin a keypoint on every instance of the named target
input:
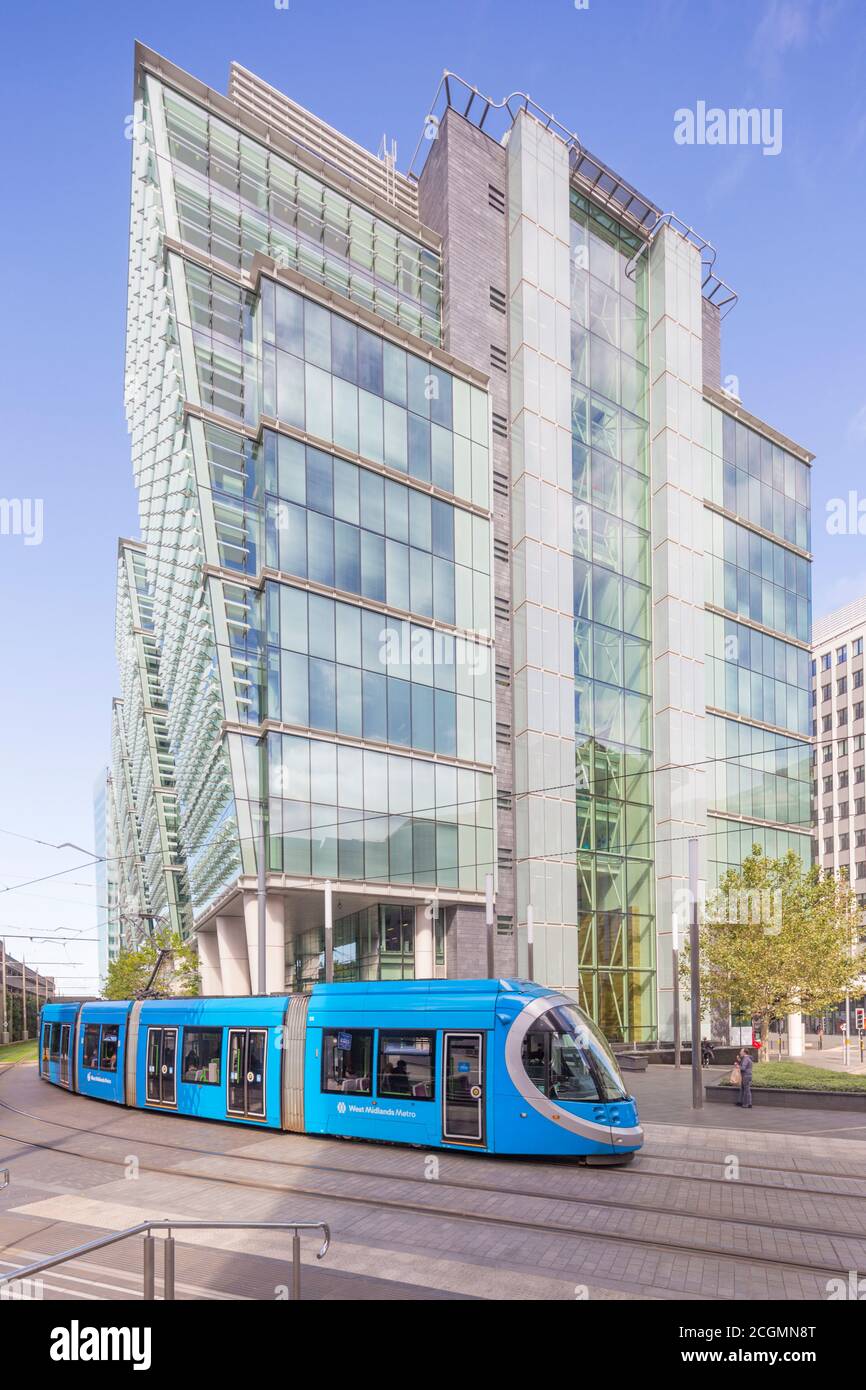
(778, 938)
(128, 976)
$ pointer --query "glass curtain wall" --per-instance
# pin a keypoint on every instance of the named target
(758, 675)
(235, 197)
(377, 943)
(612, 626)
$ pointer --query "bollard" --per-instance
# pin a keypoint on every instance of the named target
(149, 1269)
(168, 1270)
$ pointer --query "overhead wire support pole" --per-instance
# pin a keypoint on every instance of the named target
(262, 893)
(695, 980)
(675, 954)
(4, 1016)
(329, 933)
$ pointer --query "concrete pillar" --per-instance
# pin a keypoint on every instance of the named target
(275, 941)
(234, 959)
(209, 963)
(796, 1039)
(425, 957)
(275, 946)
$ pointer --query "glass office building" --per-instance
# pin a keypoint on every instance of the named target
(839, 754)
(448, 532)
(315, 490)
(108, 937)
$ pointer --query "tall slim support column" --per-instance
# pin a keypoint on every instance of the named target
(530, 942)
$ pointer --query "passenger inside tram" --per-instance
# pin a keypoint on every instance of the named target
(398, 1079)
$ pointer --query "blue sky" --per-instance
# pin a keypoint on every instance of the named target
(615, 72)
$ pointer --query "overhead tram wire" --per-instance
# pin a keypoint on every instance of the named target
(565, 855)
(533, 791)
(367, 818)
(589, 786)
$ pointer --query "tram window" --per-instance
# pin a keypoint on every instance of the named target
(406, 1065)
(55, 1042)
(202, 1050)
(108, 1048)
(91, 1045)
(557, 1065)
(535, 1059)
(347, 1061)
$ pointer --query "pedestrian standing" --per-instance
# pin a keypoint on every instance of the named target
(744, 1059)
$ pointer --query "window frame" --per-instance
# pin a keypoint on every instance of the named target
(332, 1032)
(383, 1035)
(101, 1066)
(94, 1066)
(201, 1028)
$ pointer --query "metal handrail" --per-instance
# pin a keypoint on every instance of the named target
(146, 1230)
(4, 1178)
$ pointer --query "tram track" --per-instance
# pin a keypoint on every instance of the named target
(446, 1213)
(636, 1172)
(793, 1170)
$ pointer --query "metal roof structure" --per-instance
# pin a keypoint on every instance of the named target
(589, 174)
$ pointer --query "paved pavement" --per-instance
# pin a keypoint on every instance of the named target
(664, 1096)
(831, 1055)
(718, 1205)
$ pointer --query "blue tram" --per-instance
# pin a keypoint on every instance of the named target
(504, 1066)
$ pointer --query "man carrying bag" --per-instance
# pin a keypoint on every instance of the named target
(743, 1066)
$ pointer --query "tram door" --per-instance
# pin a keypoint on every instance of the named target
(161, 1075)
(246, 1073)
(463, 1090)
(65, 1030)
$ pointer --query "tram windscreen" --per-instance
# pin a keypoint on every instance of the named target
(567, 1058)
(613, 1086)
